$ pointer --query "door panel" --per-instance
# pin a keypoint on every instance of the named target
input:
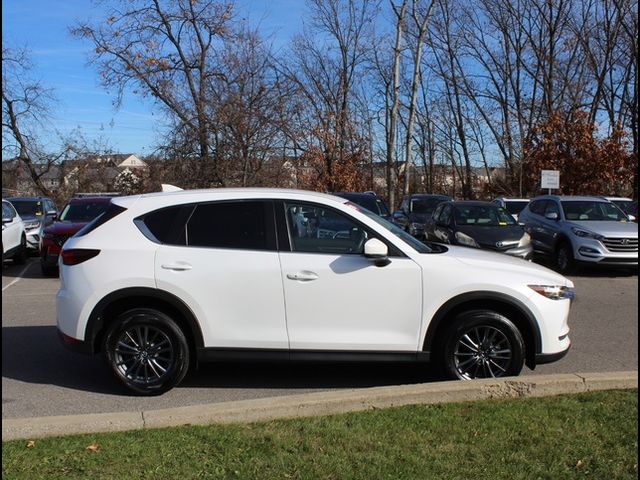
(345, 302)
(236, 295)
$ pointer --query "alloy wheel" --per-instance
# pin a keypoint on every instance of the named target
(144, 355)
(482, 352)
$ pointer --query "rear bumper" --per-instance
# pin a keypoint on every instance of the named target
(75, 345)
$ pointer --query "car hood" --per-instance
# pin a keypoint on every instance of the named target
(483, 260)
(30, 218)
(608, 229)
(64, 228)
(489, 236)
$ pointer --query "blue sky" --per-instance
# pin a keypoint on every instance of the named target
(60, 63)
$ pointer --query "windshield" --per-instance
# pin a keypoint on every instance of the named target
(482, 216)
(592, 210)
(624, 205)
(424, 206)
(412, 241)
(28, 208)
(368, 201)
(514, 208)
(82, 212)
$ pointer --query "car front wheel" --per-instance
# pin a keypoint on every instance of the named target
(564, 258)
(147, 351)
(483, 344)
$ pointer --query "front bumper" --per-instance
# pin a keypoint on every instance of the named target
(542, 358)
(33, 239)
(526, 252)
(594, 252)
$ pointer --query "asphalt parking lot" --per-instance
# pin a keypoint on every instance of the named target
(41, 378)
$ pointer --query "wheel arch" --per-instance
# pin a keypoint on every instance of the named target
(119, 301)
(501, 303)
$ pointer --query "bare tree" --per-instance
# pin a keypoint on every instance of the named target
(25, 111)
(167, 50)
(420, 15)
(400, 13)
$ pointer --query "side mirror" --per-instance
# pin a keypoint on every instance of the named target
(551, 216)
(377, 251)
(6, 220)
(632, 218)
(53, 214)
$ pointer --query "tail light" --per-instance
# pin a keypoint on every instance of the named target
(75, 256)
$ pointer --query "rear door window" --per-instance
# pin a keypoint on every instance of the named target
(239, 225)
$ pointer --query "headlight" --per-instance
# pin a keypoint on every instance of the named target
(466, 240)
(554, 292)
(30, 225)
(586, 233)
(525, 240)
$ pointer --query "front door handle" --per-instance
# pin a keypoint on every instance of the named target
(304, 276)
(178, 267)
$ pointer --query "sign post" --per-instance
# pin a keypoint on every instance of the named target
(550, 179)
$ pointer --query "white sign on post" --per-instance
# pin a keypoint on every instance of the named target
(550, 179)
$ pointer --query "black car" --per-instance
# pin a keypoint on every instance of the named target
(415, 210)
(480, 225)
(368, 200)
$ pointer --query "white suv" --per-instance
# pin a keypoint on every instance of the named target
(160, 281)
(14, 238)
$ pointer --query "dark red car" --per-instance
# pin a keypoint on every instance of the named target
(75, 215)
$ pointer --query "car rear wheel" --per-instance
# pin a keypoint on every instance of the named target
(482, 344)
(147, 351)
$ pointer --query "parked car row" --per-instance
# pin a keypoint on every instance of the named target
(32, 226)
(571, 230)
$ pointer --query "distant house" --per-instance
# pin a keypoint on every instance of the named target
(97, 173)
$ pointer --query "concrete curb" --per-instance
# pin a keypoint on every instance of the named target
(319, 403)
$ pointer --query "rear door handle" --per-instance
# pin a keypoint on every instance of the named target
(304, 276)
(178, 267)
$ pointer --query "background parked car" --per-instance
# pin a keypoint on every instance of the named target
(415, 210)
(368, 200)
(512, 205)
(581, 229)
(36, 213)
(626, 205)
(75, 215)
(480, 225)
(14, 239)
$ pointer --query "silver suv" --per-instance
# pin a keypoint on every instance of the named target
(581, 229)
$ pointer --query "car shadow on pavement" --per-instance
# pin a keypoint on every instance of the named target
(35, 355)
(11, 271)
(305, 375)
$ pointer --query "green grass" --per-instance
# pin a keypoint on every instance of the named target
(590, 435)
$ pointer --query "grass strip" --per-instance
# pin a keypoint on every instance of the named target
(587, 435)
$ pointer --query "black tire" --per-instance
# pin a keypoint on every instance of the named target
(49, 270)
(147, 351)
(563, 258)
(20, 257)
(482, 344)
